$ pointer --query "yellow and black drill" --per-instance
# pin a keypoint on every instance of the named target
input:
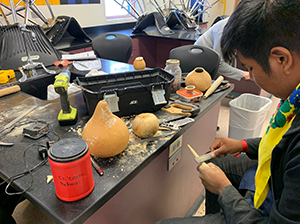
(68, 114)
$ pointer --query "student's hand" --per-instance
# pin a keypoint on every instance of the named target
(223, 146)
(213, 178)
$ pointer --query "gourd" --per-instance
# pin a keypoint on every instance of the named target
(145, 125)
(106, 134)
(199, 78)
(139, 63)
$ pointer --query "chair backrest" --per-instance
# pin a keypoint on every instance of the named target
(113, 46)
(13, 49)
(192, 56)
(219, 18)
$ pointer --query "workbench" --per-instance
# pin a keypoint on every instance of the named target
(136, 186)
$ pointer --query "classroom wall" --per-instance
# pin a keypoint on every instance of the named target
(223, 7)
(89, 15)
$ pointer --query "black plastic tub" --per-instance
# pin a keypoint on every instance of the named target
(132, 92)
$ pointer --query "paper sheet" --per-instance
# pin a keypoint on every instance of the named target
(80, 56)
(87, 65)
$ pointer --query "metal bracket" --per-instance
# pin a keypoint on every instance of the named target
(112, 101)
(158, 96)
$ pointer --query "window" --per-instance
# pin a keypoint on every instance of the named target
(114, 10)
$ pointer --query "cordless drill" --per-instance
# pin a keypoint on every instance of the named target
(68, 114)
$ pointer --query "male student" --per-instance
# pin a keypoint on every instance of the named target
(261, 186)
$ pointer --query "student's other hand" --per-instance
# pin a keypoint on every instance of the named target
(247, 76)
(223, 146)
(213, 178)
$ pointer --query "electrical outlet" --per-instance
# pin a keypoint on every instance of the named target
(175, 146)
(174, 159)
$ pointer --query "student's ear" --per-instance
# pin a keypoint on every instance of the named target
(282, 57)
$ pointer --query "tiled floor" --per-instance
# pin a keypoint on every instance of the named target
(26, 212)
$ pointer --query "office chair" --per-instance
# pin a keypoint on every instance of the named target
(192, 56)
(14, 50)
(113, 46)
(219, 18)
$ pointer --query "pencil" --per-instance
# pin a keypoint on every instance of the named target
(97, 167)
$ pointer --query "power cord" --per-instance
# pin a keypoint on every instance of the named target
(11, 179)
(42, 150)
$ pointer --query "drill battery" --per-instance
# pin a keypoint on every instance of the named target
(6, 75)
(36, 130)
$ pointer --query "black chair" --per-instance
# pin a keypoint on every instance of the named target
(113, 46)
(192, 56)
(13, 49)
(219, 18)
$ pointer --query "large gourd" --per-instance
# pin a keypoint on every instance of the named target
(106, 134)
(199, 78)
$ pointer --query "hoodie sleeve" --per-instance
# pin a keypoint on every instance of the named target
(253, 144)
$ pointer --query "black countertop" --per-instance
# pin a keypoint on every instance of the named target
(118, 170)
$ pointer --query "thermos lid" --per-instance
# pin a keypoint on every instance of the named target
(67, 150)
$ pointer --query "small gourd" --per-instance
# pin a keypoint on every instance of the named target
(139, 63)
(106, 134)
(145, 125)
(200, 78)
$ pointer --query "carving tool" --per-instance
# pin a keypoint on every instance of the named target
(181, 108)
(200, 159)
(80, 87)
(6, 143)
(97, 167)
(213, 87)
(222, 87)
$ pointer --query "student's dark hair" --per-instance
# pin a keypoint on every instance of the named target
(256, 26)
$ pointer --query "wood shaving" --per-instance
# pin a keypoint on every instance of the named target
(133, 137)
(135, 152)
(49, 178)
(78, 130)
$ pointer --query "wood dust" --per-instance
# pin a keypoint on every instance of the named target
(135, 152)
(77, 130)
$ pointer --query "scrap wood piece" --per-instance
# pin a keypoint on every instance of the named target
(49, 178)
